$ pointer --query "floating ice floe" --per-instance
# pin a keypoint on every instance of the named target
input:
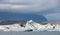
(30, 26)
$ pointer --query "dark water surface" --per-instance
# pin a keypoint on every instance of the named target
(29, 33)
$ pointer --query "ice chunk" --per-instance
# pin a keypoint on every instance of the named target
(30, 26)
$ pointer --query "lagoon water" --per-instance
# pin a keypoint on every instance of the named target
(29, 33)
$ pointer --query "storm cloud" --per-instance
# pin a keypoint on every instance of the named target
(48, 8)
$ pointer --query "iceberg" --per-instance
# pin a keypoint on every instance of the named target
(36, 26)
(30, 26)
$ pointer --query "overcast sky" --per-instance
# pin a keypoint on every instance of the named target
(49, 8)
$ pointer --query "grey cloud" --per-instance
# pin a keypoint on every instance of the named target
(17, 1)
(53, 17)
(32, 5)
(48, 8)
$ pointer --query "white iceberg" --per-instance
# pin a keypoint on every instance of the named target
(30, 26)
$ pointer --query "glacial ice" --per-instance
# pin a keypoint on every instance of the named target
(30, 26)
